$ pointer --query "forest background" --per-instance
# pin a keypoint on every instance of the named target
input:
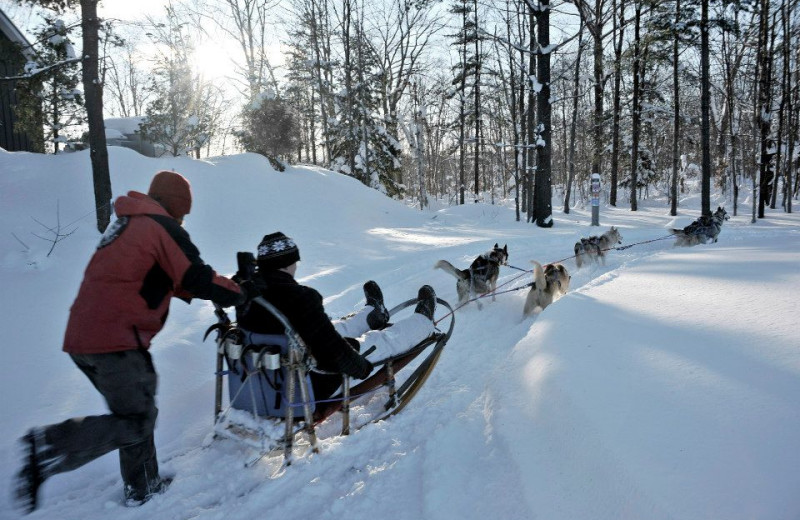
(462, 100)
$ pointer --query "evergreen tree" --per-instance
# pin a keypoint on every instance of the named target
(55, 89)
(270, 128)
(360, 143)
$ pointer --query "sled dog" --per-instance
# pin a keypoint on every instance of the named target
(480, 277)
(549, 283)
(701, 230)
(594, 248)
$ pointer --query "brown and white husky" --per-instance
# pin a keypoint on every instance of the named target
(549, 282)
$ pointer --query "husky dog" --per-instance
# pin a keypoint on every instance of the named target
(548, 283)
(594, 247)
(701, 230)
(481, 276)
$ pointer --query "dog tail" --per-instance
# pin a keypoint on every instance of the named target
(447, 266)
(538, 276)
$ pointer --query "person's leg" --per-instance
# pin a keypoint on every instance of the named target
(353, 325)
(404, 334)
(373, 316)
(136, 399)
(127, 381)
(398, 338)
(325, 385)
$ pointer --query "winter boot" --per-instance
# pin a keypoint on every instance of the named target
(426, 302)
(378, 318)
(33, 472)
(137, 497)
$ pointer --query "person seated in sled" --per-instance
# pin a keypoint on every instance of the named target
(332, 343)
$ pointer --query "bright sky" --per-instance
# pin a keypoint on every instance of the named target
(212, 55)
(131, 10)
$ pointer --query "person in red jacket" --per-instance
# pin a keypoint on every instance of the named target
(144, 258)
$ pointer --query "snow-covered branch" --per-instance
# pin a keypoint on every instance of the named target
(32, 73)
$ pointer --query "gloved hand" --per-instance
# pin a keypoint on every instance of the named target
(364, 367)
(356, 366)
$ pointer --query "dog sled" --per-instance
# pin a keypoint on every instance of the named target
(270, 403)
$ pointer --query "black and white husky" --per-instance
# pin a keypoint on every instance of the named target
(701, 230)
(594, 248)
(480, 277)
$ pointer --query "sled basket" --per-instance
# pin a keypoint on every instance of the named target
(270, 397)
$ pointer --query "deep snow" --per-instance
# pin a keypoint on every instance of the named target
(664, 385)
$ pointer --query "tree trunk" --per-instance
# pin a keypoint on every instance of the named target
(793, 109)
(763, 115)
(705, 109)
(316, 34)
(478, 62)
(676, 116)
(515, 116)
(636, 123)
(524, 84)
(93, 92)
(544, 145)
(617, 102)
(462, 116)
(777, 162)
(597, 130)
(530, 117)
(574, 123)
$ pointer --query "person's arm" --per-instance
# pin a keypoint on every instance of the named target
(193, 278)
(332, 352)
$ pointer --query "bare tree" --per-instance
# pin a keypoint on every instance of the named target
(126, 80)
(764, 113)
(93, 92)
(705, 110)
(619, 32)
(574, 123)
(248, 23)
(636, 106)
(676, 131)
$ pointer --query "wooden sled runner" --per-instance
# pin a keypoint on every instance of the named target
(270, 398)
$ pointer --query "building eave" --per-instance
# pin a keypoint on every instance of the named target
(11, 32)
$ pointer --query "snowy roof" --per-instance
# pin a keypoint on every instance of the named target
(11, 31)
(112, 133)
(124, 125)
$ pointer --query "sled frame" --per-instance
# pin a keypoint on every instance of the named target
(298, 362)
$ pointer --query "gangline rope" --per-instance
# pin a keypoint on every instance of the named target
(496, 291)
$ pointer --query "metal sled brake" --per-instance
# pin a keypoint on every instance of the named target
(270, 398)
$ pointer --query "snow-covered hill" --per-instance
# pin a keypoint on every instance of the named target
(663, 386)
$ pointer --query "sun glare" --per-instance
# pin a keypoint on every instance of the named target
(212, 61)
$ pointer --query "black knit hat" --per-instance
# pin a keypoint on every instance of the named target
(276, 251)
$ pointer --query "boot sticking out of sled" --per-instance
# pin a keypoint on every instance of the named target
(378, 318)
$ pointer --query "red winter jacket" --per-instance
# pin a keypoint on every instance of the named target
(143, 259)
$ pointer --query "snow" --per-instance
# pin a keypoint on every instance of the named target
(112, 133)
(535, 85)
(664, 385)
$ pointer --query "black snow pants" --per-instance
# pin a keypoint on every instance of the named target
(127, 380)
